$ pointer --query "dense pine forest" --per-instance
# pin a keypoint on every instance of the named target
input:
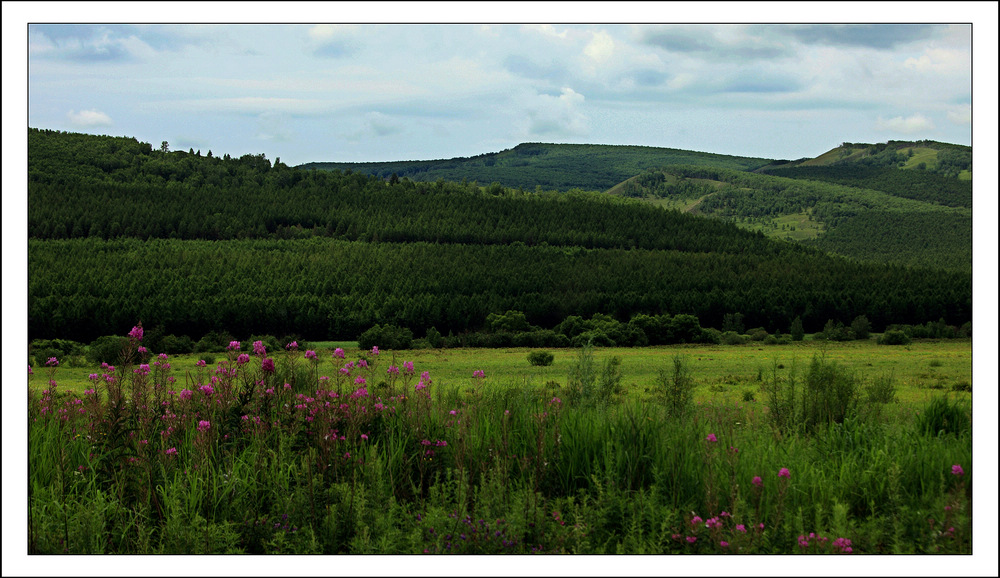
(121, 231)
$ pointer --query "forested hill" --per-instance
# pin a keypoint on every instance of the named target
(559, 167)
(87, 186)
(121, 232)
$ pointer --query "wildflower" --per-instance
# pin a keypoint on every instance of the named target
(696, 520)
(30, 371)
(364, 436)
(363, 363)
(844, 544)
(957, 470)
(234, 346)
(259, 349)
(691, 539)
(52, 362)
(741, 528)
(338, 353)
(479, 373)
(375, 350)
(723, 543)
(310, 354)
(757, 482)
(162, 356)
(142, 350)
(200, 363)
(453, 412)
(359, 381)
(713, 523)
(408, 366)
(142, 370)
(170, 451)
(208, 390)
(784, 473)
(393, 370)
(711, 438)
(293, 345)
(267, 365)
(204, 425)
(420, 385)
(242, 359)
(136, 332)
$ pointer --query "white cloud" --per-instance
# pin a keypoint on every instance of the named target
(961, 115)
(914, 124)
(558, 115)
(601, 47)
(941, 60)
(87, 118)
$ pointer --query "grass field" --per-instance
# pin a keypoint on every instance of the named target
(919, 370)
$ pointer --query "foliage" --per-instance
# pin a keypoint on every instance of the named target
(894, 337)
(540, 358)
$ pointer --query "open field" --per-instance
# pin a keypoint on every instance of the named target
(920, 370)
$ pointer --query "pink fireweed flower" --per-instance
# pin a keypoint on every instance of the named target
(393, 370)
(408, 366)
(691, 539)
(200, 363)
(696, 520)
(363, 363)
(142, 370)
(741, 528)
(359, 381)
(52, 362)
(170, 451)
(234, 346)
(208, 390)
(142, 350)
(375, 350)
(162, 357)
(723, 543)
(259, 349)
(242, 359)
(310, 354)
(136, 333)
(479, 373)
(711, 438)
(713, 523)
(420, 385)
(957, 470)
(453, 412)
(364, 436)
(30, 371)
(784, 473)
(757, 482)
(186, 394)
(293, 345)
(338, 353)
(267, 365)
(204, 425)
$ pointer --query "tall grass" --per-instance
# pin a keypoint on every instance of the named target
(255, 457)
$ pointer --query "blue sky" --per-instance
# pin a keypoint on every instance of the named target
(356, 92)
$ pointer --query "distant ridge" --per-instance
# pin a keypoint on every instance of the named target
(559, 167)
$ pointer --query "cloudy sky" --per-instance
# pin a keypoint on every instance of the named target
(357, 92)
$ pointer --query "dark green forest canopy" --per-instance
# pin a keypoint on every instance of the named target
(121, 232)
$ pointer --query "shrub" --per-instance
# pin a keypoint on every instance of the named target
(106, 349)
(676, 387)
(829, 395)
(174, 344)
(732, 338)
(540, 358)
(387, 337)
(881, 389)
(611, 380)
(894, 337)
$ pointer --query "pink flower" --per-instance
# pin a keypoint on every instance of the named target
(234, 346)
(696, 520)
(310, 354)
(741, 528)
(267, 365)
(243, 358)
(408, 366)
(170, 451)
(186, 394)
(479, 373)
(784, 473)
(142, 350)
(200, 363)
(393, 370)
(711, 438)
(375, 350)
(204, 425)
(757, 482)
(364, 436)
(293, 345)
(52, 362)
(259, 349)
(724, 544)
(957, 470)
(691, 539)
(136, 333)
(338, 353)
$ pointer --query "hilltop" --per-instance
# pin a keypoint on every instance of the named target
(558, 167)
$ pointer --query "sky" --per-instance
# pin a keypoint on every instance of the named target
(405, 91)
